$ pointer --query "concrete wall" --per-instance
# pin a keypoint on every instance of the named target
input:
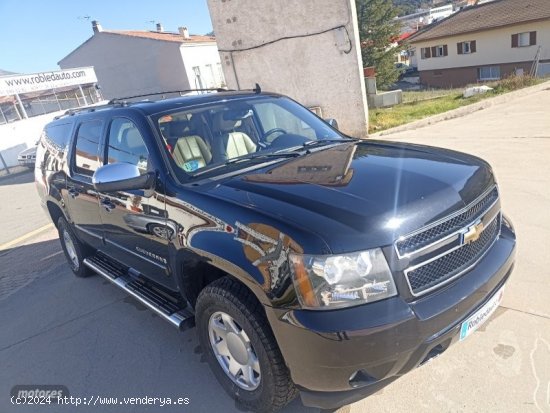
(20, 135)
(127, 66)
(493, 47)
(25, 131)
(462, 76)
(206, 57)
(322, 67)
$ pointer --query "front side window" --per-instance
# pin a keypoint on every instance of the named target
(86, 160)
(217, 136)
(126, 145)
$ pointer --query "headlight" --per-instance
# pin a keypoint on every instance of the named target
(333, 281)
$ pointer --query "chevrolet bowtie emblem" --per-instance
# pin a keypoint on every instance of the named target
(473, 233)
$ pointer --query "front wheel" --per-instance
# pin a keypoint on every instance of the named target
(240, 347)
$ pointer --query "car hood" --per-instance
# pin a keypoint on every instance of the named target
(28, 151)
(362, 195)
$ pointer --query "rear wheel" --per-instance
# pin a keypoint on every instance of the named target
(74, 250)
(240, 347)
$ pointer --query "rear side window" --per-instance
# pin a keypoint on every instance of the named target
(126, 145)
(57, 136)
(86, 159)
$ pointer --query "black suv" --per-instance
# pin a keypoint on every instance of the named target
(310, 262)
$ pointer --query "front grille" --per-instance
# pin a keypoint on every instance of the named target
(448, 266)
(425, 237)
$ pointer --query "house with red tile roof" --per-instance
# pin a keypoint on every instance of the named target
(135, 62)
(485, 42)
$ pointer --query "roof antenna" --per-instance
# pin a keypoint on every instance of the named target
(257, 89)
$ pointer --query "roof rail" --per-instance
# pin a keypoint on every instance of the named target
(86, 109)
(181, 92)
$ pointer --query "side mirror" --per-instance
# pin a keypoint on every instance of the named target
(121, 177)
(332, 122)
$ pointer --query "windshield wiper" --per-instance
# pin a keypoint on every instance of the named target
(257, 155)
(249, 157)
(321, 142)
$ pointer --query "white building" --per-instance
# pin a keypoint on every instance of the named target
(485, 42)
(133, 62)
(424, 17)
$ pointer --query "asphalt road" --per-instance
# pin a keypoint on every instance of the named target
(89, 336)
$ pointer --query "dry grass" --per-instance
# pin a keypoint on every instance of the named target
(420, 104)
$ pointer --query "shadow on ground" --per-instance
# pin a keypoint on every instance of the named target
(24, 177)
(91, 337)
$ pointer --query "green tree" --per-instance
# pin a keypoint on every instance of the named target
(378, 31)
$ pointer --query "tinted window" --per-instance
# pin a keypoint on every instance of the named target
(126, 145)
(58, 135)
(87, 144)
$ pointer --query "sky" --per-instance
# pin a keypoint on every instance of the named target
(36, 34)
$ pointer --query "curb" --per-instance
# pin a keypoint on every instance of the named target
(465, 110)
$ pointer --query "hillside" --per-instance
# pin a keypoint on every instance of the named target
(410, 6)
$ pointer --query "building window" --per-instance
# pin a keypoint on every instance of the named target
(198, 78)
(435, 51)
(466, 47)
(524, 39)
(488, 73)
(221, 79)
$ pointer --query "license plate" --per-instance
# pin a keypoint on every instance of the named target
(481, 315)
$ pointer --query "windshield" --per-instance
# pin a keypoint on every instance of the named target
(230, 134)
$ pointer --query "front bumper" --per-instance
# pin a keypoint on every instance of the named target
(338, 357)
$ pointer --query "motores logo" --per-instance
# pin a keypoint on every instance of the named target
(44, 392)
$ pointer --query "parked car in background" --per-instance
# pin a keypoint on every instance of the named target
(27, 157)
(404, 70)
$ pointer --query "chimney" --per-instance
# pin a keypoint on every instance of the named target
(96, 26)
(159, 27)
(184, 32)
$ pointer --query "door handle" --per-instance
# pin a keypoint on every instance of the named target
(107, 204)
(73, 193)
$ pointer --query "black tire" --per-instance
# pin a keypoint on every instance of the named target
(80, 250)
(276, 388)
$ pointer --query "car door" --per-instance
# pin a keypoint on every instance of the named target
(134, 221)
(81, 198)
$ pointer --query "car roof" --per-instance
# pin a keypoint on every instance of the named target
(151, 107)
